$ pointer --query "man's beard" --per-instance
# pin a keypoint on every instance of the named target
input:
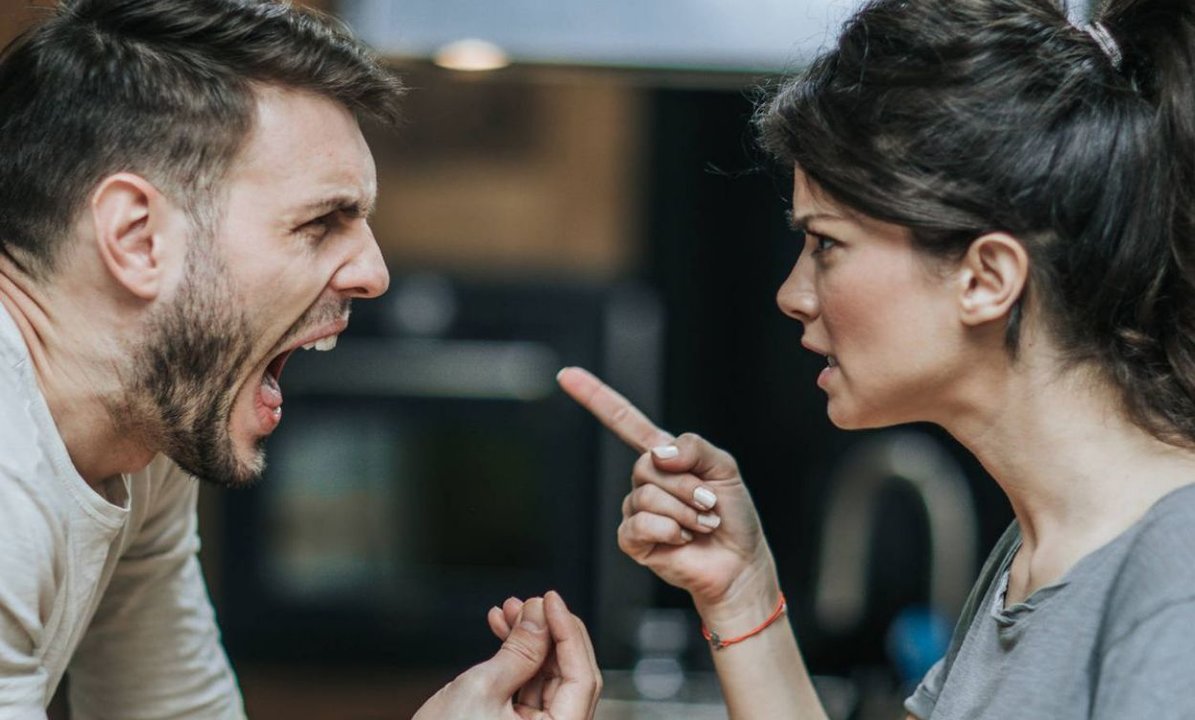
(184, 376)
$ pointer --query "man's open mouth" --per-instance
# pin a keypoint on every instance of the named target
(270, 392)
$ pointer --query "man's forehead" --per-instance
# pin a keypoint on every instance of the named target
(309, 148)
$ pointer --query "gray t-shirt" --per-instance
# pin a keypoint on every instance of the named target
(1114, 638)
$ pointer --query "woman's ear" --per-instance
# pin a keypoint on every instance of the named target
(128, 219)
(992, 277)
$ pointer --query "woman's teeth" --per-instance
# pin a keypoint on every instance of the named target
(323, 344)
(831, 361)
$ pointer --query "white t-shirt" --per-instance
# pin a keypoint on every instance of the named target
(109, 586)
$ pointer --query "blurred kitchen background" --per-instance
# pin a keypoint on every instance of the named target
(575, 183)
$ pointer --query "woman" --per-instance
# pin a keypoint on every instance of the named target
(997, 217)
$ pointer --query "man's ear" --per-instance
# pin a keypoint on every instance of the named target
(130, 218)
(992, 278)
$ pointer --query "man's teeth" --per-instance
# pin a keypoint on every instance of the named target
(831, 361)
(323, 344)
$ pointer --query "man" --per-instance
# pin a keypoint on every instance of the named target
(184, 193)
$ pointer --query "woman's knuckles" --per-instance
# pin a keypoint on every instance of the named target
(644, 468)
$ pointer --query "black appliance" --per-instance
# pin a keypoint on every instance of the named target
(428, 468)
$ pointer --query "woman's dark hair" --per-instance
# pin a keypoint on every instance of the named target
(959, 117)
(163, 88)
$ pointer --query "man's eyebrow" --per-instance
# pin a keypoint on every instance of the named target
(349, 204)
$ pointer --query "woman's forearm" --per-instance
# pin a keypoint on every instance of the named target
(763, 677)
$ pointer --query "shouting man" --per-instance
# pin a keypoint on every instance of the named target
(184, 194)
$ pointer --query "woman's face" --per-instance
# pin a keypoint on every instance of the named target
(884, 315)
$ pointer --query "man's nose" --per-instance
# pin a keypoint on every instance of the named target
(365, 274)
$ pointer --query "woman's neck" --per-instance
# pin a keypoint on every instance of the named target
(1076, 470)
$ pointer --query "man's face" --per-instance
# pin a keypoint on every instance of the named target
(290, 249)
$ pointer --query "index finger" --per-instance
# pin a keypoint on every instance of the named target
(612, 410)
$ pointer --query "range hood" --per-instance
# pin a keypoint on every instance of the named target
(705, 35)
(754, 36)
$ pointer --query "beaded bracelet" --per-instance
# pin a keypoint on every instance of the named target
(718, 643)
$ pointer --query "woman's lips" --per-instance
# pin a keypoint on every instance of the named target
(828, 372)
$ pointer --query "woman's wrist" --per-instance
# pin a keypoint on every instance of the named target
(721, 642)
(751, 599)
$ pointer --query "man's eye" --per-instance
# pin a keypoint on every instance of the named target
(318, 227)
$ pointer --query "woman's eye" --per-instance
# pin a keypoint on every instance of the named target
(821, 243)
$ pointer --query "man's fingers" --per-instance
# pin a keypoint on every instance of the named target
(611, 409)
(497, 623)
(532, 693)
(502, 619)
(522, 653)
(511, 609)
(580, 681)
(583, 632)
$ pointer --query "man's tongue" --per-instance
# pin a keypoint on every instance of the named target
(270, 392)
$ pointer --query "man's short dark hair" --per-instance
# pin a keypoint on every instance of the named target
(162, 88)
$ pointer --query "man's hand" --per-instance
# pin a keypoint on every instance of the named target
(545, 670)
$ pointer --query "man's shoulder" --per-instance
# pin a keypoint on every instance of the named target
(22, 447)
(29, 498)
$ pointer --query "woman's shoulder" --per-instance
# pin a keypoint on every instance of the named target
(1157, 570)
(1165, 535)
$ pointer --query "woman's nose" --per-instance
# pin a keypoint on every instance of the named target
(796, 297)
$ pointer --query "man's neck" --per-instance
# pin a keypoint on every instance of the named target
(76, 368)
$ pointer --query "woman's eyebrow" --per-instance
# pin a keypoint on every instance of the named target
(800, 222)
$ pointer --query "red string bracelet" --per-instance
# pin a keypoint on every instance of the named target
(718, 643)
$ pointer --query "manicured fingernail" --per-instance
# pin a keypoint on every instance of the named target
(686, 535)
(709, 520)
(704, 499)
(665, 452)
(561, 372)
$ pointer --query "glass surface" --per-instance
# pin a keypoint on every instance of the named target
(386, 508)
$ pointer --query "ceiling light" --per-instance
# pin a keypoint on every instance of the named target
(471, 55)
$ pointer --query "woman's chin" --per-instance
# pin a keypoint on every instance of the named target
(841, 417)
(844, 417)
